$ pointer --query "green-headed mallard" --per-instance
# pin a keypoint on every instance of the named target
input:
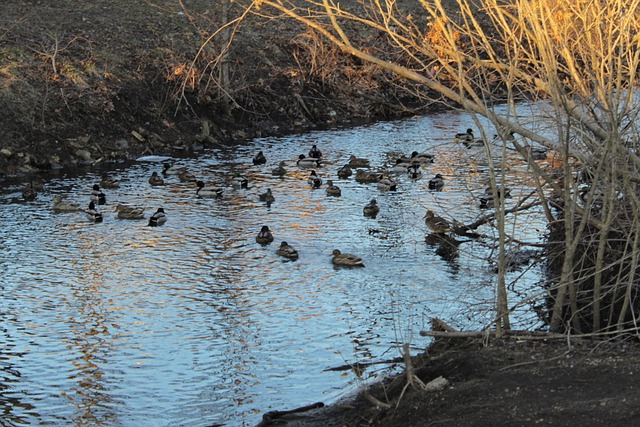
(60, 205)
(346, 260)
(129, 212)
(93, 214)
(279, 170)
(465, 136)
(211, 191)
(368, 176)
(158, 218)
(264, 236)
(314, 180)
(285, 250)
(307, 162)
(437, 224)
(168, 169)
(97, 196)
(267, 197)
(436, 183)
(371, 209)
(259, 159)
(156, 179)
(387, 184)
(421, 158)
(333, 190)
(239, 182)
(358, 162)
(109, 182)
(401, 166)
(345, 172)
(315, 152)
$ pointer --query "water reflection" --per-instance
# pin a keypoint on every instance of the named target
(193, 323)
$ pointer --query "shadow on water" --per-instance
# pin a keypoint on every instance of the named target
(194, 323)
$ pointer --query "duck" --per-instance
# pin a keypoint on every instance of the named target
(29, 192)
(499, 191)
(486, 201)
(239, 182)
(59, 205)
(470, 143)
(436, 183)
(129, 212)
(333, 190)
(387, 184)
(285, 250)
(421, 158)
(109, 182)
(167, 169)
(157, 218)
(315, 152)
(345, 172)
(414, 171)
(204, 191)
(346, 260)
(264, 236)
(93, 214)
(185, 176)
(156, 179)
(267, 196)
(358, 162)
(97, 196)
(437, 224)
(259, 159)
(536, 153)
(279, 170)
(314, 180)
(401, 166)
(368, 176)
(307, 162)
(465, 136)
(371, 209)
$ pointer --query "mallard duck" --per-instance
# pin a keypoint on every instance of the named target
(267, 196)
(93, 214)
(307, 162)
(437, 224)
(465, 136)
(436, 183)
(264, 236)
(414, 171)
(315, 153)
(368, 176)
(346, 260)
(279, 170)
(371, 209)
(239, 182)
(157, 218)
(536, 153)
(314, 180)
(167, 169)
(345, 172)
(358, 162)
(97, 196)
(129, 212)
(333, 190)
(499, 191)
(204, 191)
(421, 158)
(259, 159)
(156, 179)
(29, 192)
(386, 184)
(486, 201)
(401, 166)
(185, 176)
(109, 182)
(470, 143)
(59, 205)
(285, 250)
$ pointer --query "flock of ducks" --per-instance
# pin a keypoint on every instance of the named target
(356, 166)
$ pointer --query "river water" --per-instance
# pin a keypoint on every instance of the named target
(193, 323)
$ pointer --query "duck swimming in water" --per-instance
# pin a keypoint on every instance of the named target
(333, 190)
(129, 212)
(307, 162)
(437, 224)
(156, 179)
(259, 159)
(436, 183)
(346, 260)
(358, 162)
(264, 236)
(315, 153)
(279, 170)
(345, 172)
(60, 205)
(314, 180)
(239, 182)
(204, 191)
(158, 218)
(267, 197)
(371, 209)
(414, 171)
(109, 182)
(97, 196)
(285, 250)
(93, 214)
(387, 184)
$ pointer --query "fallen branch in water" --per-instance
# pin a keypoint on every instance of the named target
(271, 417)
(359, 366)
